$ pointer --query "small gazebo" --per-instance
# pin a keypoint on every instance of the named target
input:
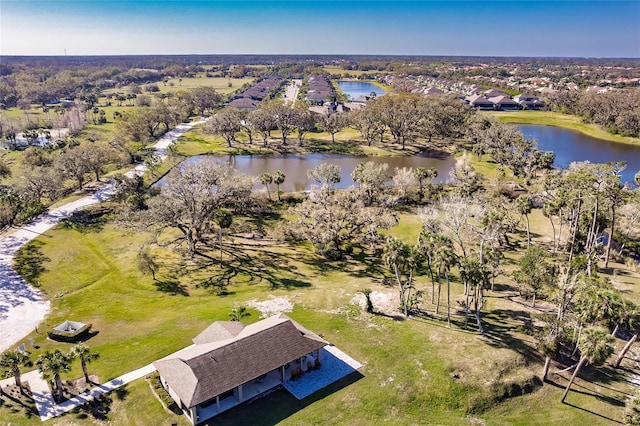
(69, 331)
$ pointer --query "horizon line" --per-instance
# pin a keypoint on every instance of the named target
(315, 54)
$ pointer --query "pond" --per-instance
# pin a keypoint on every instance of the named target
(570, 146)
(355, 89)
(295, 167)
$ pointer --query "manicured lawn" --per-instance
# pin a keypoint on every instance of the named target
(221, 84)
(348, 141)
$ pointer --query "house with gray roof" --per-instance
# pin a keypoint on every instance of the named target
(479, 102)
(503, 102)
(230, 363)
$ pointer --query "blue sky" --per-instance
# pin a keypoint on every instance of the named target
(471, 28)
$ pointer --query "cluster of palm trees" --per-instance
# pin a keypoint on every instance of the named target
(278, 178)
(51, 364)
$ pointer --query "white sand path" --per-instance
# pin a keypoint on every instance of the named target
(22, 307)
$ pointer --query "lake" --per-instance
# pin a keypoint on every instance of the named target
(355, 89)
(295, 167)
(570, 146)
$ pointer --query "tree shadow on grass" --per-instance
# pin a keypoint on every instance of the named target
(121, 393)
(98, 408)
(14, 400)
(254, 267)
(594, 413)
(171, 286)
(499, 325)
(277, 406)
(29, 262)
(87, 220)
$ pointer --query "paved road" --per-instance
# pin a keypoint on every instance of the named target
(291, 91)
(23, 307)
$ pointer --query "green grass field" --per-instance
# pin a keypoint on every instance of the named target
(415, 371)
(221, 84)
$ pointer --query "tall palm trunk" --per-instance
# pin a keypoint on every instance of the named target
(446, 274)
(613, 224)
(624, 350)
(396, 270)
(591, 237)
(478, 307)
(574, 229)
(466, 305)
(433, 281)
(18, 378)
(58, 381)
(559, 230)
(545, 369)
(553, 227)
(84, 370)
(439, 288)
(573, 376)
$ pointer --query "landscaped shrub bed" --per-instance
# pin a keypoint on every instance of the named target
(163, 395)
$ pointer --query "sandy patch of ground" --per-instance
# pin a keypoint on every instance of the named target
(272, 306)
(383, 302)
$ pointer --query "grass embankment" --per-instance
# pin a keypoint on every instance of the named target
(571, 122)
(348, 141)
(415, 372)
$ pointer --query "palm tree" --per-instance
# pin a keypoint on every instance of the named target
(445, 257)
(51, 365)
(595, 347)
(423, 175)
(84, 354)
(549, 342)
(397, 255)
(472, 273)
(524, 205)
(278, 179)
(238, 313)
(549, 210)
(427, 242)
(11, 361)
(266, 179)
(631, 322)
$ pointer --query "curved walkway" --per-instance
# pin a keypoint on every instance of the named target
(22, 307)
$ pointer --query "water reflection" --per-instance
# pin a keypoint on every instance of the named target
(295, 166)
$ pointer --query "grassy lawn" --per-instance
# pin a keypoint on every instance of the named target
(348, 141)
(571, 122)
(222, 85)
(416, 371)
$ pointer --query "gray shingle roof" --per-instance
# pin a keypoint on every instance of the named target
(219, 330)
(199, 373)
